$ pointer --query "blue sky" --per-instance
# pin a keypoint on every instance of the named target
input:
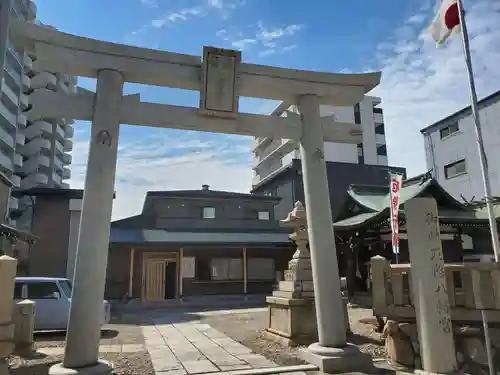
(420, 83)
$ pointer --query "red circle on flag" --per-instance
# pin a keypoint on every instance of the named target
(451, 17)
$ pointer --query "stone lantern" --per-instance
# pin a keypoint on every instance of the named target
(292, 316)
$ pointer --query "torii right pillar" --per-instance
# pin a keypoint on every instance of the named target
(332, 353)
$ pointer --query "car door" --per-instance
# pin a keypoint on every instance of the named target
(48, 307)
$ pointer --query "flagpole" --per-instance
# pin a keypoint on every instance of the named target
(479, 137)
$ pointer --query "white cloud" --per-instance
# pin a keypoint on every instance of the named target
(169, 162)
(422, 84)
(149, 3)
(263, 39)
(224, 7)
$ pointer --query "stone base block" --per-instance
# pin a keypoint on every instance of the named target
(337, 360)
(100, 368)
(292, 321)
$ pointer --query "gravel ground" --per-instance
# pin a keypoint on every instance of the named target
(247, 329)
(124, 364)
(123, 330)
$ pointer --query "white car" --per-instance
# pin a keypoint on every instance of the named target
(52, 298)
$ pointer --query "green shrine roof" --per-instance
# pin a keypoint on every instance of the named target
(374, 204)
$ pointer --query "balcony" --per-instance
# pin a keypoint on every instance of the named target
(260, 142)
(7, 115)
(380, 139)
(60, 132)
(278, 153)
(59, 147)
(16, 180)
(35, 146)
(18, 161)
(9, 93)
(69, 131)
(68, 145)
(22, 120)
(32, 10)
(28, 63)
(6, 162)
(26, 83)
(13, 203)
(20, 138)
(44, 80)
(33, 180)
(58, 163)
(24, 102)
(67, 159)
(15, 76)
(256, 180)
(66, 174)
(34, 163)
(378, 118)
(7, 139)
(56, 179)
(37, 129)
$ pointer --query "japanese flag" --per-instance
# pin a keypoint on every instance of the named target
(447, 21)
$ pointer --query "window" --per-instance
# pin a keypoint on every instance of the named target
(379, 129)
(378, 110)
(227, 269)
(449, 130)
(382, 150)
(357, 114)
(261, 269)
(361, 156)
(208, 212)
(263, 215)
(42, 290)
(455, 169)
(202, 269)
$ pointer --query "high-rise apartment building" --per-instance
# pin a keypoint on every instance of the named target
(271, 155)
(33, 151)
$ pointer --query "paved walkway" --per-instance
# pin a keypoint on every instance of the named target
(191, 348)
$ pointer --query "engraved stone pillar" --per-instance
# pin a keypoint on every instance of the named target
(84, 328)
(24, 320)
(429, 286)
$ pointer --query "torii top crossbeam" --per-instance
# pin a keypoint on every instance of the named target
(79, 56)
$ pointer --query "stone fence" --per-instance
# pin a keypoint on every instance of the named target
(392, 296)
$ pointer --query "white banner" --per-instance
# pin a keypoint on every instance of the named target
(394, 193)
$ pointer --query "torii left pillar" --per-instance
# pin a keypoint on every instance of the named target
(86, 314)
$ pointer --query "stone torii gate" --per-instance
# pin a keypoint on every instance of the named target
(221, 78)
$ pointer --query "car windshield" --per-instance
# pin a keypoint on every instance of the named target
(66, 287)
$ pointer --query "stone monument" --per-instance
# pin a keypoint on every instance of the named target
(429, 287)
(292, 317)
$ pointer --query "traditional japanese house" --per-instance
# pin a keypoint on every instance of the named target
(197, 242)
(363, 229)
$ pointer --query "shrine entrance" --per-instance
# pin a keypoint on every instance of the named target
(221, 78)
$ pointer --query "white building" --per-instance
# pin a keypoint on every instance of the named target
(452, 154)
(32, 153)
(269, 155)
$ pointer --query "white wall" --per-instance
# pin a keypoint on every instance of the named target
(440, 152)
